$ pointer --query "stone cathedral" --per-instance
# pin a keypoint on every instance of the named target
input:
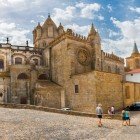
(63, 69)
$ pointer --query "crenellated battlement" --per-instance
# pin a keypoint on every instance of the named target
(113, 57)
(69, 34)
(76, 36)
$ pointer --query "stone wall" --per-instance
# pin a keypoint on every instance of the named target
(109, 90)
(132, 93)
(85, 99)
(48, 94)
(94, 87)
(19, 88)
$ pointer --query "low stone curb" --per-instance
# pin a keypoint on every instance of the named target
(54, 110)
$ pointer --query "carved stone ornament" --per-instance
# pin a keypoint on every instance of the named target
(83, 57)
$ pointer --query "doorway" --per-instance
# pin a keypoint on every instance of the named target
(23, 100)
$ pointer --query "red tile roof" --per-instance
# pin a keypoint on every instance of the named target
(133, 71)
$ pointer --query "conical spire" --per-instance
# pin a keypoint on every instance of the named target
(135, 49)
(92, 30)
(48, 21)
(38, 26)
(60, 26)
(49, 15)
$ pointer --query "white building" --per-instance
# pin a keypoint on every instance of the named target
(133, 76)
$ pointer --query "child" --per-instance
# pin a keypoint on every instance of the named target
(127, 117)
(123, 117)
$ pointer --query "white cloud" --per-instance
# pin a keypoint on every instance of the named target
(121, 47)
(109, 7)
(83, 30)
(32, 21)
(17, 4)
(66, 15)
(80, 5)
(137, 9)
(17, 35)
(129, 31)
(100, 17)
(113, 33)
(88, 10)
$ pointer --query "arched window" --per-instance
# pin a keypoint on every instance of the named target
(109, 69)
(1, 64)
(43, 77)
(22, 76)
(18, 60)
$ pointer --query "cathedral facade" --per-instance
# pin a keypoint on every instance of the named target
(63, 69)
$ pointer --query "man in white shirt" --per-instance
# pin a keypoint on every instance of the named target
(99, 113)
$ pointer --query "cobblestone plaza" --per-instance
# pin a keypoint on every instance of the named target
(25, 124)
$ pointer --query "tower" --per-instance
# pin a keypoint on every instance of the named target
(95, 42)
(44, 34)
(60, 29)
(135, 50)
(133, 62)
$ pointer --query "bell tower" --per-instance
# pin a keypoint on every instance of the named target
(44, 34)
(95, 42)
(133, 62)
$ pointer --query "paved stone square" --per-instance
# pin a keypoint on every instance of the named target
(25, 124)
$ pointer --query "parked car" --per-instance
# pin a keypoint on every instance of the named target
(134, 107)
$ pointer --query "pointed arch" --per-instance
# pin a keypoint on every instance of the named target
(43, 77)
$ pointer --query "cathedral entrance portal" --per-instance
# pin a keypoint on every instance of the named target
(23, 100)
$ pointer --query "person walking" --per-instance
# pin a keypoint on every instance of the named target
(127, 116)
(99, 112)
(123, 117)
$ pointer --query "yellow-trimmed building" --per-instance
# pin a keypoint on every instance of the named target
(132, 77)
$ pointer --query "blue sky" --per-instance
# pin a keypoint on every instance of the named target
(117, 21)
